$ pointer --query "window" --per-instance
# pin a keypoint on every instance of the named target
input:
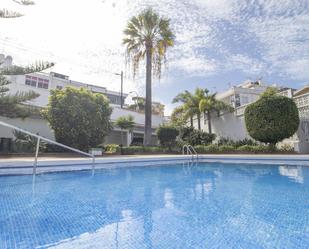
(36, 82)
(31, 80)
(42, 83)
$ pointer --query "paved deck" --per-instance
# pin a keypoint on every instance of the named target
(24, 165)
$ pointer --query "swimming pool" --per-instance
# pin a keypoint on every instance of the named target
(207, 205)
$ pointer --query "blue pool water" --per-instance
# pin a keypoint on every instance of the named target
(159, 207)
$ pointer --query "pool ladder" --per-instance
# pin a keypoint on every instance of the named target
(188, 149)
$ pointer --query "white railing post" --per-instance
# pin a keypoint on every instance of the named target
(93, 162)
(36, 155)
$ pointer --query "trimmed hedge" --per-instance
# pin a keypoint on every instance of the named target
(131, 150)
(272, 119)
(167, 135)
(201, 149)
(213, 148)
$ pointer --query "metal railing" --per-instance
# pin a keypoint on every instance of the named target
(39, 138)
(189, 150)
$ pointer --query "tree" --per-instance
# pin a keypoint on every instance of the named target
(167, 135)
(12, 106)
(178, 117)
(272, 119)
(187, 109)
(125, 123)
(79, 118)
(148, 35)
(208, 104)
(270, 91)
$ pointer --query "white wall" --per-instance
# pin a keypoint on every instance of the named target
(139, 118)
(228, 125)
(34, 125)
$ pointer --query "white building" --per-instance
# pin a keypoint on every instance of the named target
(232, 125)
(42, 83)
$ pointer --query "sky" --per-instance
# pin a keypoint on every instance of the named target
(219, 43)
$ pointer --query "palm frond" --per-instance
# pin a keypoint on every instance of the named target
(148, 31)
(4, 13)
(18, 70)
(24, 2)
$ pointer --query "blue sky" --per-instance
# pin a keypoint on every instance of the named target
(219, 43)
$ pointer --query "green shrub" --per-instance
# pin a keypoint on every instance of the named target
(200, 148)
(167, 135)
(237, 143)
(112, 148)
(79, 118)
(272, 119)
(212, 148)
(227, 148)
(254, 148)
(195, 137)
(130, 150)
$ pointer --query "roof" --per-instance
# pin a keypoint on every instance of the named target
(302, 91)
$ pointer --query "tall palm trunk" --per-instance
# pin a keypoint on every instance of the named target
(147, 131)
(209, 122)
(191, 121)
(199, 121)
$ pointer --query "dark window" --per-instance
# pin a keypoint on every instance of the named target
(36, 82)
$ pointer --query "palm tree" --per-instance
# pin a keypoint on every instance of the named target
(191, 103)
(148, 35)
(186, 109)
(125, 123)
(210, 104)
(179, 117)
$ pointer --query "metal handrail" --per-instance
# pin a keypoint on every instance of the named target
(39, 138)
(190, 150)
(194, 151)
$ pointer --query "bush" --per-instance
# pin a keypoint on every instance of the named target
(195, 137)
(272, 119)
(254, 148)
(229, 141)
(227, 148)
(167, 135)
(111, 148)
(24, 143)
(79, 118)
(212, 148)
(131, 150)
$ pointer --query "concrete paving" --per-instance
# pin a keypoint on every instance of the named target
(24, 165)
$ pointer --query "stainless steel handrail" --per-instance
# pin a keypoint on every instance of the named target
(190, 150)
(194, 151)
(39, 138)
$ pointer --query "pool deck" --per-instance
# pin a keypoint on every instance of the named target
(24, 165)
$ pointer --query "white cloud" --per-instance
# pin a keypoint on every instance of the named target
(194, 65)
(212, 37)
